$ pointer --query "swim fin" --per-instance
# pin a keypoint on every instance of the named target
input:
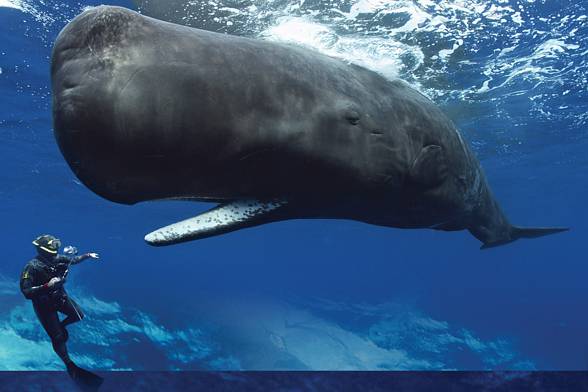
(84, 379)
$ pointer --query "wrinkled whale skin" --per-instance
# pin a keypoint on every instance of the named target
(147, 110)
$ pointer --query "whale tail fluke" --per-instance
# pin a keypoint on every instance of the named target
(517, 232)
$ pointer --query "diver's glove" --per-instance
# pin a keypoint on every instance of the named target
(93, 255)
(54, 282)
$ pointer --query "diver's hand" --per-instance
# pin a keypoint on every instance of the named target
(94, 255)
(53, 282)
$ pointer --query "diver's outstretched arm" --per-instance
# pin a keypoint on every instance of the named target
(80, 258)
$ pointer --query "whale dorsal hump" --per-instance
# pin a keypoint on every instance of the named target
(429, 168)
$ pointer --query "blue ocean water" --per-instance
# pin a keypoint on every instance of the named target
(318, 294)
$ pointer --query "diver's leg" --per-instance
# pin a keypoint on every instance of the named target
(50, 322)
(72, 310)
(58, 334)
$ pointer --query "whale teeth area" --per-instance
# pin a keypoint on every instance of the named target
(224, 218)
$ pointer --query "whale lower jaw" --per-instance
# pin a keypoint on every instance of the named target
(224, 218)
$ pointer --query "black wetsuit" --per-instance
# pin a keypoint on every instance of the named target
(48, 301)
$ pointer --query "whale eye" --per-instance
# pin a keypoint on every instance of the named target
(352, 116)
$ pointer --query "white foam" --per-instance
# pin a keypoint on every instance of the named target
(553, 48)
(381, 54)
(35, 9)
(445, 53)
(534, 66)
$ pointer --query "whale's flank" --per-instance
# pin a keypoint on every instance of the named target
(149, 110)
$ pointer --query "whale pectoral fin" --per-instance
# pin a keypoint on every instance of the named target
(429, 169)
(222, 219)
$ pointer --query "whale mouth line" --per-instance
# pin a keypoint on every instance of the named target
(224, 218)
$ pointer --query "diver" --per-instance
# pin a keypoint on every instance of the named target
(42, 281)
